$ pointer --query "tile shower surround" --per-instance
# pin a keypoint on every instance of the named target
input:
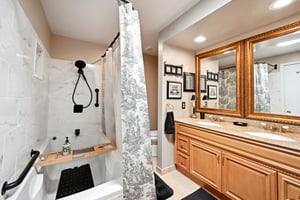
(23, 97)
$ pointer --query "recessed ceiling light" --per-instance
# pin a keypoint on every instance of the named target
(199, 39)
(280, 4)
(290, 42)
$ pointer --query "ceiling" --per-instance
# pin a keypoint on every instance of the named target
(236, 18)
(97, 20)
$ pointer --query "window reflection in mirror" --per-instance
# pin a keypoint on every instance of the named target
(219, 79)
(277, 75)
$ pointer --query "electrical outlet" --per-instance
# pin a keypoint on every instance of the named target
(183, 105)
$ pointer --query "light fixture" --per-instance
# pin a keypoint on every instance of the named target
(286, 43)
(193, 98)
(280, 4)
(199, 39)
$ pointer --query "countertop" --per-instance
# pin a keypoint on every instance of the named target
(292, 142)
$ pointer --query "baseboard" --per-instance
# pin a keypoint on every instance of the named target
(165, 170)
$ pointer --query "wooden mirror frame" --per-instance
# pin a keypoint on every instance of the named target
(239, 112)
(249, 43)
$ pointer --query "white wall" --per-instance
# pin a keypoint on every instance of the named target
(175, 56)
(62, 78)
(23, 97)
(198, 12)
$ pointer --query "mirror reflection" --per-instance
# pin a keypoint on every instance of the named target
(218, 74)
(277, 75)
(219, 79)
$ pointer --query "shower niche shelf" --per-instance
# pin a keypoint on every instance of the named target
(57, 157)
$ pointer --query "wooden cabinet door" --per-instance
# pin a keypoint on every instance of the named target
(205, 163)
(288, 187)
(244, 179)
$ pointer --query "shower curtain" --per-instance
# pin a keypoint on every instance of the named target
(126, 109)
(261, 89)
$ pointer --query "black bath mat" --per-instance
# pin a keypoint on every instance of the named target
(199, 194)
(74, 180)
(163, 191)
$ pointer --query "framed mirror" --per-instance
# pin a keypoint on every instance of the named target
(222, 71)
(273, 75)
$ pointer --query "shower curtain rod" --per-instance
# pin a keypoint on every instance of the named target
(111, 44)
(117, 36)
(274, 66)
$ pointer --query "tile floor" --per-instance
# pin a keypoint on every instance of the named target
(181, 185)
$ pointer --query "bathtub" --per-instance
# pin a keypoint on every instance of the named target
(41, 182)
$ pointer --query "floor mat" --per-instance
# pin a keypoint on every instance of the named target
(163, 191)
(74, 180)
(199, 194)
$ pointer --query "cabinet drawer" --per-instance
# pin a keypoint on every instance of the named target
(183, 144)
(183, 161)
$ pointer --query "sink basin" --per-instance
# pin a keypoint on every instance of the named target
(204, 123)
(269, 136)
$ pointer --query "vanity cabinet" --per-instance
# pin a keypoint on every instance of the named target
(288, 187)
(232, 167)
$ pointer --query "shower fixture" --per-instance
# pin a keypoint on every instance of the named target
(78, 108)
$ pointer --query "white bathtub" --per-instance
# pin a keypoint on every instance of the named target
(41, 183)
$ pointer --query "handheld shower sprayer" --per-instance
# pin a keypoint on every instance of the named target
(78, 108)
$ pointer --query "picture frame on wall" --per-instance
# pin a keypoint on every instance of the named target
(209, 76)
(216, 76)
(203, 84)
(174, 90)
(212, 91)
(173, 70)
(188, 82)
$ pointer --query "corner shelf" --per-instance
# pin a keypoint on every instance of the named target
(57, 157)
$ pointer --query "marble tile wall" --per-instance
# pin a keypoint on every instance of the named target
(62, 78)
(23, 96)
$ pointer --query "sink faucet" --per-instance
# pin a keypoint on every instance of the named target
(215, 118)
(273, 127)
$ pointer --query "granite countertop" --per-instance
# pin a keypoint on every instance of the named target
(287, 140)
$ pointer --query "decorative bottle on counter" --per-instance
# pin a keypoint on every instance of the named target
(66, 148)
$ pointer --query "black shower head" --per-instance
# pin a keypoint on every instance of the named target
(80, 64)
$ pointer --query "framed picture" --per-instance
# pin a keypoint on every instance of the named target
(173, 70)
(212, 91)
(216, 76)
(38, 68)
(167, 69)
(174, 90)
(188, 82)
(179, 71)
(202, 83)
(210, 76)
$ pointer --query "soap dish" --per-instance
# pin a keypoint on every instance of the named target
(240, 123)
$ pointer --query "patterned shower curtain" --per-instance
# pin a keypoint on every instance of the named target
(138, 179)
(126, 109)
(261, 89)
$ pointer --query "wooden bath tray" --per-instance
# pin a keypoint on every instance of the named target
(57, 157)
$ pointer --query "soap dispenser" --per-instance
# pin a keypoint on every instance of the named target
(66, 148)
